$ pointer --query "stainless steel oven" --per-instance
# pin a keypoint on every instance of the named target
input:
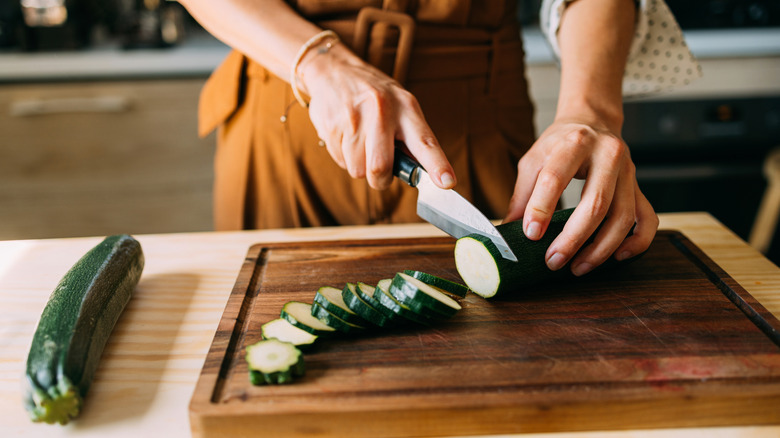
(704, 154)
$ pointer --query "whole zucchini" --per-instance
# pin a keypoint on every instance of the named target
(74, 327)
(488, 274)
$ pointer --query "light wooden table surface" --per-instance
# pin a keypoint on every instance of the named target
(152, 361)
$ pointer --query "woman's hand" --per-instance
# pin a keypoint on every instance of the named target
(572, 148)
(584, 142)
(359, 112)
(356, 109)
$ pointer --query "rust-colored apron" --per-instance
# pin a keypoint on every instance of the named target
(466, 69)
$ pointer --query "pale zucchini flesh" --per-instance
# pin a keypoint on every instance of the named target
(422, 298)
(299, 314)
(332, 300)
(477, 266)
(282, 330)
(427, 290)
(446, 286)
(272, 361)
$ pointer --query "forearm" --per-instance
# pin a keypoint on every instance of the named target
(595, 38)
(268, 31)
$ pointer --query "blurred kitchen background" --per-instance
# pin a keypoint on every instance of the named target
(98, 115)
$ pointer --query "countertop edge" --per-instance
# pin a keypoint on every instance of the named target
(198, 56)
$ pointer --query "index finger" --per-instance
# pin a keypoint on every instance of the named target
(423, 145)
(550, 183)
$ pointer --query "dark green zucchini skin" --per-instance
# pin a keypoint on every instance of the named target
(75, 326)
(531, 269)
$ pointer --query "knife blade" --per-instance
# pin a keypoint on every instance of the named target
(446, 209)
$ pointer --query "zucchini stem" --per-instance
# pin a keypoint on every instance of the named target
(60, 404)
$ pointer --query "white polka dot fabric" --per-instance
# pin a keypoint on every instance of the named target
(659, 59)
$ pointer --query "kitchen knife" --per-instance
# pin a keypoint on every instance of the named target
(446, 209)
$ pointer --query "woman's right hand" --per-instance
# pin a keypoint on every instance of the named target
(359, 112)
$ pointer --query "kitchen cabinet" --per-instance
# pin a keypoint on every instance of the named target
(103, 157)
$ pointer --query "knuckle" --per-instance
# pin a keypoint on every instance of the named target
(407, 99)
(429, 141)
(381, 99)
(630, 169)
(625, 221)
(379, 167)
(571, 244)
(654, 221)
(597, 256)
(577, 136)
(614, 150)
(356, 171)
(536, 210)
(551, 180)
(526, 165)
(599, 207)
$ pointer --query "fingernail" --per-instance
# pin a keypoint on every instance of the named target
(623, 256)
(447, 180)
(556, 261)
(582, 269)
(533, 231)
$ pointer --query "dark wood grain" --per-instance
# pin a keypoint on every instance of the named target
(668, 340)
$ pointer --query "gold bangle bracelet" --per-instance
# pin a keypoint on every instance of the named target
(313, 41)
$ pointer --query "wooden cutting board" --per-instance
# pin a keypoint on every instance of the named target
(669, 340)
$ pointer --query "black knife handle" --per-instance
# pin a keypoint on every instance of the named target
(406, 168)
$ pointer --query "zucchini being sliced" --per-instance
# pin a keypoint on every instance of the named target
(299, 315)
(331, 300)
(421, 297)
(386, 299)
(282, 330)
(273, 361)
(447, 286)
(488, 274)
(75, 326)
(361, 307)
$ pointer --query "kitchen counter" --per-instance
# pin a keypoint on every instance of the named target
(152, 362)
(200, 53)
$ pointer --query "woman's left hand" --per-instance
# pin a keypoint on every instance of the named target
(573, 148)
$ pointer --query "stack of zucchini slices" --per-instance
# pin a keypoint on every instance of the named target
(411, 297)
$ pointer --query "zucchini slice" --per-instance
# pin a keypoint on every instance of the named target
(331, 299)
(366, 293)
(299, 315)
(421, 297)
(334, 321)
(282, 330)
(361, 307)
(274, 362)
(75, 326)
(387, 300)
(447, 286)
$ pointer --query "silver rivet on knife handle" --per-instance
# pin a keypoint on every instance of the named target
(406, 169)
